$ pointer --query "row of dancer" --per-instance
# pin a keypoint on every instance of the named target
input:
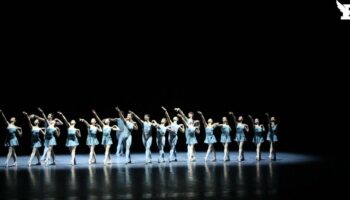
(124, 128)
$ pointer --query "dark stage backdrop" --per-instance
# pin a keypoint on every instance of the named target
(289, 95)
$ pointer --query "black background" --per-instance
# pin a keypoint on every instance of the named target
(214, 60)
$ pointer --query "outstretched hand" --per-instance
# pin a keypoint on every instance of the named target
(230, 113)
(58, 112)
(25, 113)
(163, 108)
(40, 110)
(199, 112)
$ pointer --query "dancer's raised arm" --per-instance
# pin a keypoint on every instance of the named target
(85, 122)
(98, 118)
(203, 119)
(183, 119)
(27, 116)
(44, 116)
(181, 113)
(167, 115)
(234, 118)
(64, 118)
(3, 117)
(137, 117)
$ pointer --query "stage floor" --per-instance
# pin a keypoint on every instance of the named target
(290, 175)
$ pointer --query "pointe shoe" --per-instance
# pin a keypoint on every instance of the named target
(128, 162)
(38, 163)
(148, 161)
(29, 164)
(213, 160)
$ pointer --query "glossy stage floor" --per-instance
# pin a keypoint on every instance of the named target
(290, 176)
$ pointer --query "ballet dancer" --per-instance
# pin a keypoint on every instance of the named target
(271, 136)
(240, 136)
(72, 140)
(126, 136)
(191, 140)
(51, 119)
(189, 121)
(51, 131)
(146, 134)
(35, 139)
(91, 139)
(120, 144)
(11, 140)
(106, 136)
(258, 138)
(209, 136)
(161, 131)
(172, 136)
(225, 137)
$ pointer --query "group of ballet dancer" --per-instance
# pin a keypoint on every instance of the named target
(124, 128)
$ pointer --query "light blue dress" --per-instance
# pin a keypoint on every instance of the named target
(11, 139)
(209, 135)
(92, 137)
(50, 139)
(36, 142)
(258, 137)
(240, 136)
(106, 135)
(272, 136)
(225, 134)
(72, 139)
(191, 135)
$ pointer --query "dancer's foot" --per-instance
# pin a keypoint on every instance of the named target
(128, 162)
(13, 165)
